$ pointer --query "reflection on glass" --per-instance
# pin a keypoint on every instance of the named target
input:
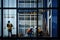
(50, 12)
(40, 3)
(9, 3)
(27, 3)
(9, 17)
(26, 22)
(49, 26)
(42, 23)
(49, 3)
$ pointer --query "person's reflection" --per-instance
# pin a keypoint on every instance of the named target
(9, 26)
(40, 32)
(29, 32)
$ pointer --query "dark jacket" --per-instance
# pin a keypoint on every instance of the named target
(9, 26)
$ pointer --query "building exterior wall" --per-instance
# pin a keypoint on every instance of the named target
(45, 4)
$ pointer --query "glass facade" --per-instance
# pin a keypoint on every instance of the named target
(25, 21)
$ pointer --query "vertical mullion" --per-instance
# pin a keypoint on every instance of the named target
(24, 3)
(30, 3)
(30, 20)
(34, 21)
(17, 18)
(8, 3)
(24, 23)
(2, 17)
(37, 18)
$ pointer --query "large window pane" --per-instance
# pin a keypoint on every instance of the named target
(42, 23)
(40, 3)
(9, 15)
(27, 20)
(47, 22)
(9, 3)
(27, 3)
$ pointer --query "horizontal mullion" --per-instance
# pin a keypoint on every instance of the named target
(27, 2)
(49, 8)
(26, 8)
(19, 8)
(9, 8)
(31, 8)
(19, 37)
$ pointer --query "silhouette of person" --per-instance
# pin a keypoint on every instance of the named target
(9, 26)
(29, 32)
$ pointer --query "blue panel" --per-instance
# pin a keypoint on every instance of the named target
(44, 3)
(54, 3)
(54, 23)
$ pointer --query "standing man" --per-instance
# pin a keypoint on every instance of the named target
(9, 26)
